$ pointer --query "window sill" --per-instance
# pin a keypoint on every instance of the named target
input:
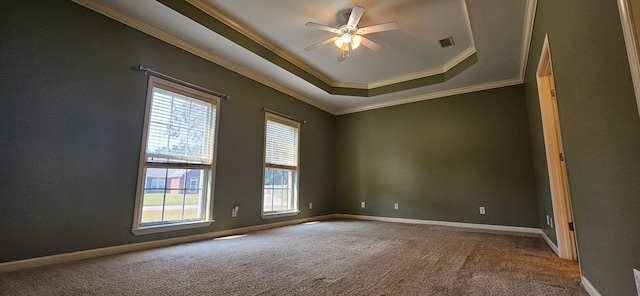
(170, 227)
(279, 214)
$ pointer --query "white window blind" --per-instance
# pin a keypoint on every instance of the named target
(280, 187)
(175, 178)
(281, 144)
(181, 129)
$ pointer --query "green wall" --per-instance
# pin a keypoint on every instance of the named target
(72, 117)
(72, 114)
(601, 135)
(440, 160)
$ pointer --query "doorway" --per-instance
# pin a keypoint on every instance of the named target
(562, 213)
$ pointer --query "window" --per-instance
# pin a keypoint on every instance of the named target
(193, 184)
(280, 190)
(175, 179)
(157, 183)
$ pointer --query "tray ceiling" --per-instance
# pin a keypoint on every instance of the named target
(265, 41)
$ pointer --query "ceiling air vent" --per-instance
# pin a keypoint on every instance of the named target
(447, 42)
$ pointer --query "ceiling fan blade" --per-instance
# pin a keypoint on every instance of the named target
(378, 28)
(323, 27)
(354, 18)
(371, 45)
(330, 40)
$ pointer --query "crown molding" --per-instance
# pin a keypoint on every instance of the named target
(527, 33)
(417, 75)
(198, 51)
(431, 72)
(217, 13)
(243, 29)
(434, 95)
(524, 55)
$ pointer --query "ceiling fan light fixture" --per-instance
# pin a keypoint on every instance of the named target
(343, 44)
(355, 41)
(346, 37)
(349, 35)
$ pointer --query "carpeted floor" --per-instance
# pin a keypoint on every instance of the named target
(340, 257)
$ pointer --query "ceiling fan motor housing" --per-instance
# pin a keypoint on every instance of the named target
(349, 35)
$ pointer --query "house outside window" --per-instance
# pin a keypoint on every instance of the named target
(178, 148)
(280, 180)
(157, 183)
(193, 184)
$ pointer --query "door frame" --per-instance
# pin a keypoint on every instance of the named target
(558, 184)
(630, 30)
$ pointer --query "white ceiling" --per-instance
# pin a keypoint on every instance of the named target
(413, 48)
(496, 31)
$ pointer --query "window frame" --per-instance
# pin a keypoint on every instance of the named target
(296, 191)
(139, 228)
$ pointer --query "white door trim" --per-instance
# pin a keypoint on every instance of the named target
(561, 208)
(631, 43)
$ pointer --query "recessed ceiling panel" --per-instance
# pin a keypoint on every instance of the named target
(411, 51)
(493, 35)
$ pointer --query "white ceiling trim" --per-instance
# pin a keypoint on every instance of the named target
(198, 51)
(214, 12)
(218, 14)
(434, 95)
(524, 55)
(182, 44)
(431, 72)
(529, 19)
(459, 58)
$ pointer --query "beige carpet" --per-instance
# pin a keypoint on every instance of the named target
(341, 257)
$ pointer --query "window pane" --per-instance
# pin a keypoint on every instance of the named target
(173, 200)
(180, 128)
(279, 190)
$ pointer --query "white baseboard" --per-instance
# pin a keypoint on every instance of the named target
(68, 257)
(553, 246)
(443, 223)
(589, 287)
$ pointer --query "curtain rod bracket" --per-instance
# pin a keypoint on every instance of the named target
(149, 71)
(265, 109)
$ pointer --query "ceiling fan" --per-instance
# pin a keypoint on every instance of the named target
(350, 36)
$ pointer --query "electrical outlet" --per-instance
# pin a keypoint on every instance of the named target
(362, 204)
(636, 274)
(234, 212)
(548, 222)
(482, 211)
(310, 206)
(395, 206)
